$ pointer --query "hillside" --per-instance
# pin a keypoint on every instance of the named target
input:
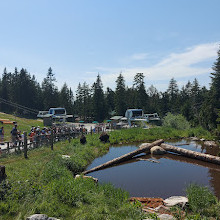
(23, 124)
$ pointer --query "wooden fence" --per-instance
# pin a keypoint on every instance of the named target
(39, 140)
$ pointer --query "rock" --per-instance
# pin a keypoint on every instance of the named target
(38, 217)
(157, 150)
(176, 200)
(162, 209)
(210, 144)
(194, 139)
(87, 177)
(52, 218)
(165, 217)
(202, 139)
(65, 156)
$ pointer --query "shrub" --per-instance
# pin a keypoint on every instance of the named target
(201, 200)
(176, 121)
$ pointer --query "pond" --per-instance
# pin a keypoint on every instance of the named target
(168, 177)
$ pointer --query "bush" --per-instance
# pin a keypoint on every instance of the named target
(176, 121)
(202, 201)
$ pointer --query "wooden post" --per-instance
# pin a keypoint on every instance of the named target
(2, 172)
(51, 139)
(19, 146)
(125, 157)
(25, 145)
(69, 135)
(8, 147)
(37, 140)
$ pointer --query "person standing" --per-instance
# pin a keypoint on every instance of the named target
(2, 135)
(14, 134)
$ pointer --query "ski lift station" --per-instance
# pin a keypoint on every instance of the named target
(137, 115)
(134, 115)
(54, 114)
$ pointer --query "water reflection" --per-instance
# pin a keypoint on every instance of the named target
(168, 177)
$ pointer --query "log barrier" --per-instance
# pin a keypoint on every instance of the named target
(143, 148)
(192, 154)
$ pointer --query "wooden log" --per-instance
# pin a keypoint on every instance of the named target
(192, 154)
(125, 157)
(184, 159)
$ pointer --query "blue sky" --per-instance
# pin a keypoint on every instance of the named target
(79, 39)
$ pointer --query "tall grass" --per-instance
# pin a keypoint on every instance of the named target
(139, 134)
(202, 202)
(45, 184)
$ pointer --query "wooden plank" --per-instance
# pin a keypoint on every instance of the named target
(125, 157)
(8, 122)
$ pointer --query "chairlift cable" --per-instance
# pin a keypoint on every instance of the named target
(24, 108)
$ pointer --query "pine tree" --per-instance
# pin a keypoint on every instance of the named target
(86, 102)
(186, 102)
(5, 90)
(50, 91)
(120, 101)
(153, 99)
(110, 101)
(173, 91)
(99, 110)
(78, 102)
(66, 99)
(214, 101)
(215, 84)
(141, 95)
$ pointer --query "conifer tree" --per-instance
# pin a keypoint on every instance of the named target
(110, 101)
(173, 91)
(50, 91)
(120, 99)
(141, 95)
(99, 110)
(215, 91)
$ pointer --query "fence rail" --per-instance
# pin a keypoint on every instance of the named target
(39, 140)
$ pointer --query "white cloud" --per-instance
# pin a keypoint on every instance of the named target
(189, 63)
(139, 56)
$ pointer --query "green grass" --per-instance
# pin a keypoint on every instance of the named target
(44, 182)
(202, 203)
(23, 124)
(142, 135)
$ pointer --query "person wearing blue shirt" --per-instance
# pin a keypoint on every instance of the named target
(14, 134)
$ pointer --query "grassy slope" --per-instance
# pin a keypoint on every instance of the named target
(23, 124)
(44, 182)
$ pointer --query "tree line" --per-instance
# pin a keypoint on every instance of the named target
(196, 103)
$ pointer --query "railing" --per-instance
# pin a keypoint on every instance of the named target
(26, 144)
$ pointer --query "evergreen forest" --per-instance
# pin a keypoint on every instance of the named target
(23, 95)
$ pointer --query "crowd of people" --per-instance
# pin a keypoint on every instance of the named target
(37, 134)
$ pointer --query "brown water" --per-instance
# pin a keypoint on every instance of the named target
(167, 178)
